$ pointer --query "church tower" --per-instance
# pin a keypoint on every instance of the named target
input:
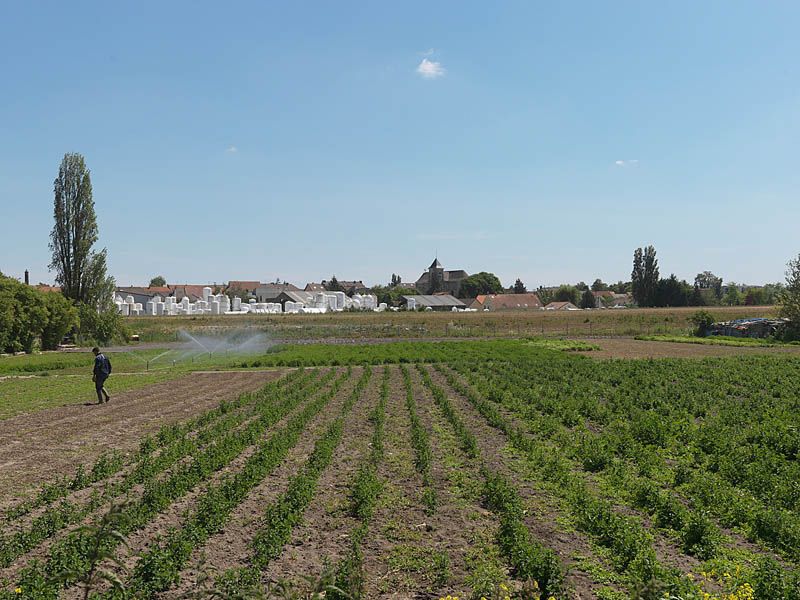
(436, 277)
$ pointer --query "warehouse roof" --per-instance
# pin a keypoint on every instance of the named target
(437, 300)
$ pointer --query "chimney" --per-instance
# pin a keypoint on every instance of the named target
(27, 277)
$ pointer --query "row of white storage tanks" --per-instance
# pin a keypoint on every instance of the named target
(220, 304)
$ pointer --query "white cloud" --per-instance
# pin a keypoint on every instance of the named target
(430, 69)
(626, 163)
(428, 52)
(232, 150)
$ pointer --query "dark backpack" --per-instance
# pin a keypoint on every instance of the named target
(108, 365)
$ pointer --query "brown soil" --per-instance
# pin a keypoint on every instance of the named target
(399, 517)
(401, 526)
(230, 548)
(38, 447)
(631, 348)
(324, 534)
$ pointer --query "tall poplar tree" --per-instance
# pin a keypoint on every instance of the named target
(74, 231)
(81, 271)
(644, 278)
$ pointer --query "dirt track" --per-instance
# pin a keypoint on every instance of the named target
(37, 447)
(631, 348)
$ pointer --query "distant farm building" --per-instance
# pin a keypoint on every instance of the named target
(142, 295)
(444, 302)
(498, 302)
(436, 279)
(609, 299)
(561, 306)
(269, 292)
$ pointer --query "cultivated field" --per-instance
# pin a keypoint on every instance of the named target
(421, 325)
(421, 470)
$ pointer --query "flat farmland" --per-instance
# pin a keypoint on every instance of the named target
(349, 327)
(484, 469)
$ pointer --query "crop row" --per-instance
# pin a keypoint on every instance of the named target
(109, 464)
(420, 442)
(365, 489)
(529, 558)
(70, 554)
(628, 541)
(631, 438)
(148, 467)
(282, 515)
(159, 568)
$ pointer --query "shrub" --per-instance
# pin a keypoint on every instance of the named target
(702, 321)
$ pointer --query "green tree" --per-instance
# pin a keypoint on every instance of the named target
(697, 298)
(519, 287)
(80, 271)
(480, 283)
(732, 295)
(789, 298)
(702, 321)
(396, 280)
(75, 228)
(333, 285)
(158, 281)
(392, 295)
(672, 292)
(581, 286)
(708, 281)
(23, 314)
(644, 278)
(62, 317)
(546, 296)
(567, 293)
(587, 299)
(599, 286)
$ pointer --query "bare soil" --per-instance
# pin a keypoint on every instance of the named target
(38, 447)
(230, 548)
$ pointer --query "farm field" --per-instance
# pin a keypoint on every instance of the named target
(349, 327)
(469, 469)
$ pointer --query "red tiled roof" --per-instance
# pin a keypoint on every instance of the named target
(509, 301)
(246, 286)
(190, 290)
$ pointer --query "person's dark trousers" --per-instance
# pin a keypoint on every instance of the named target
(98, 385)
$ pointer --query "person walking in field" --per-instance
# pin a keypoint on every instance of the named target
(102, 369)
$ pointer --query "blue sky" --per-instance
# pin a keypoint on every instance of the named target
(537, 140)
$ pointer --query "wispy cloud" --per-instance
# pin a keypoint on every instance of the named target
(453, 236)
(428, 52)
(232, 150)
(626, 163)
(430, 69)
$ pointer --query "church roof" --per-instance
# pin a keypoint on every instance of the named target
(435, 264)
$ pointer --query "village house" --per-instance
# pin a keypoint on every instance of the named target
(498, 302)
(561, 306)
(269, 292)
